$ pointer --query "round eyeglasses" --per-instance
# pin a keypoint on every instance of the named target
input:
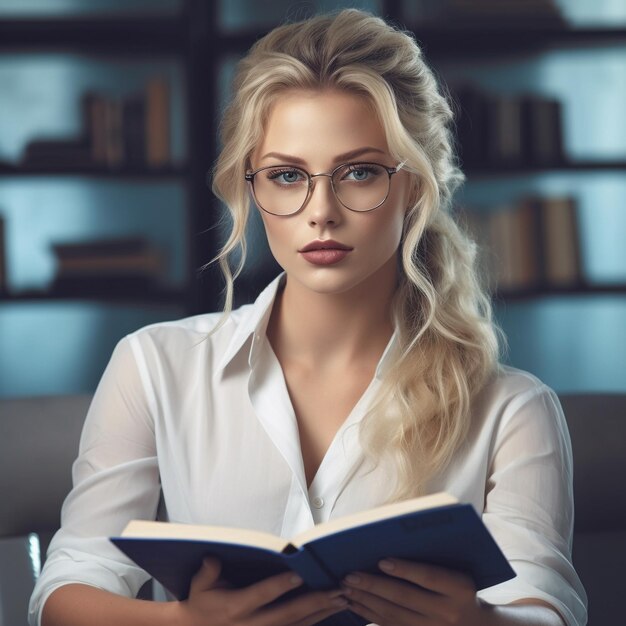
(285, 189)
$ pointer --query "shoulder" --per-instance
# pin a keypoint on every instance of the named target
(513, 387)
(517, 403)
(212, 326)
(185, 343)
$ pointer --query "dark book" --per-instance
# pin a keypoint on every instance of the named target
(543, 134)
(113, 246)
(3, 258)
(514, 12)
(472, 126)
(157, 120)
(148, 263)
(94, 124)
(434, 529)
(504, 140)
(113, 133)
(52, 153)
(134, 130)
(104, 285)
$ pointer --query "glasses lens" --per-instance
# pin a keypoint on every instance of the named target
(361, 186)
(281, 190)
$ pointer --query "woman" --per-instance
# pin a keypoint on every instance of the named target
(366, 373)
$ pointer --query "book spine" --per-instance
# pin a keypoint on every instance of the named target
(312, 559)
(157, 122)
(3, 272)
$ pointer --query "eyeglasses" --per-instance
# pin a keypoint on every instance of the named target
(285, 189)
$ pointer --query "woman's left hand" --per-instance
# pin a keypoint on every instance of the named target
(414, 594)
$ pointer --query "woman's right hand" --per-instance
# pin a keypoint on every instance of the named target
(210, 603)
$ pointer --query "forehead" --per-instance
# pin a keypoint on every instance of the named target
(317, 125)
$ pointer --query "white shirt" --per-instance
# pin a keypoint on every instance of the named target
(208, 419)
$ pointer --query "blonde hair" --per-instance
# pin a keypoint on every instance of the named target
(448, 344)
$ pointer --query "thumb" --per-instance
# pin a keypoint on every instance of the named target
(207, 576)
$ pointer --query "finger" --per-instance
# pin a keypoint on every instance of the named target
(432, 577)
(381, 611)
(207, 576)
(301, 610)
(259, 594)
(315, 618)
(396, 593)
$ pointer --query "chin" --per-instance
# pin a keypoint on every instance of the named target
(329, 281)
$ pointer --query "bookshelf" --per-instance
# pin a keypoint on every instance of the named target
(182, 37)
(202, 46)
(195, 38)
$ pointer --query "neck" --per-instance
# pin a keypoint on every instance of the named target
(317, 329)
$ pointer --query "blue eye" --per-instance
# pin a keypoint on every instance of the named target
(361, 172)
(286, 177)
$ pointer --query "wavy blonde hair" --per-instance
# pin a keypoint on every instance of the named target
(448, 343)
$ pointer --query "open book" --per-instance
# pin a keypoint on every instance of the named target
(434, 529)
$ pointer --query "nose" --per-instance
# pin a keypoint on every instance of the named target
(322, 207)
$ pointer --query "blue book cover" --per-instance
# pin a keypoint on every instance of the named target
(434, 529)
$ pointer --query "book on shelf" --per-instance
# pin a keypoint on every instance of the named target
(510, 130)
(3, 257)
(112, 246)
(130, 131)
(563, 264)
(122, 264)
(542, 130)
(505, 137)
(157, 122)
(527, 12)
(435, 529)
(531, 244)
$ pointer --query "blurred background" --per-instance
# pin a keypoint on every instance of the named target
(109, 112)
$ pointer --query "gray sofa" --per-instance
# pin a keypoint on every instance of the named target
(39, 440)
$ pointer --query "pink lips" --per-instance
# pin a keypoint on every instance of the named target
(326, 252)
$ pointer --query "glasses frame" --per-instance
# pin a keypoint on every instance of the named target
(249, 176)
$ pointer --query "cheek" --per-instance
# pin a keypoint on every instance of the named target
(275, 232)
(387, 230)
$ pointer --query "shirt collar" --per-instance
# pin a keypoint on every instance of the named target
(253, 324)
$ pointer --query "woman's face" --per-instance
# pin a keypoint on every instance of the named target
(317, 131)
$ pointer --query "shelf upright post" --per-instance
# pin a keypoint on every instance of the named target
(204, 288)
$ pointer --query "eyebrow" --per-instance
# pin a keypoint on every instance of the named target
(340, 157)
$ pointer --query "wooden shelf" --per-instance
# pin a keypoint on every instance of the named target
(532, 293)
(498, 169)
(8, 170)
(158, 297)
(461, 40)
(146, 35)
(454, 41)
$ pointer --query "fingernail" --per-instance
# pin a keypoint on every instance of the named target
(353, 579)
(386, 565)
(296, 580)
(339, 602)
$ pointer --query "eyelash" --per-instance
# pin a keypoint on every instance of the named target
(353, 167)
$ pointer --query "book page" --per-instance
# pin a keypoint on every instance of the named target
(373, 515)
(138, 529)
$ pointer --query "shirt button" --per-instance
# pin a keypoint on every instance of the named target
(318, 502)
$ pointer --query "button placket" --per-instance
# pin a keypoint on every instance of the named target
(317, 502)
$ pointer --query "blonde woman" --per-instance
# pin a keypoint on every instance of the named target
(367, 372)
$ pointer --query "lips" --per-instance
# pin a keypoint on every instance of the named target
(326, 252)
(328, 244)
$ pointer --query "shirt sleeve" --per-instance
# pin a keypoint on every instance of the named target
(115, 479)
(529, 505)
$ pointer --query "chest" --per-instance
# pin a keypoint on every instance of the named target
(321, 403)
